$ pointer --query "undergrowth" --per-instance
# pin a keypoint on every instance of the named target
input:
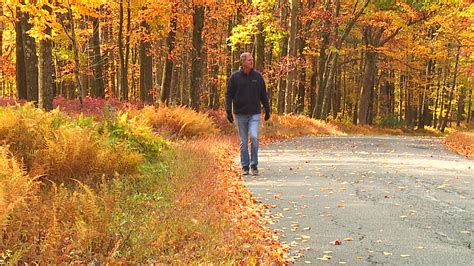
(81, 189)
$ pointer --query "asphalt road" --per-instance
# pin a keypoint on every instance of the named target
(388, 200)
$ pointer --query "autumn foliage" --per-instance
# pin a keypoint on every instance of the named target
(462, 142)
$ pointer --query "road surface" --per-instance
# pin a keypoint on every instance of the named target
(387, 200)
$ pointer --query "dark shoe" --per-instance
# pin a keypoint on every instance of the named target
(254, 170)
(245, 171)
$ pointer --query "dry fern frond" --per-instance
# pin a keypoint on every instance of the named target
(179, 121)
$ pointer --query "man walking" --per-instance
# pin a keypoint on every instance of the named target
(246, 92)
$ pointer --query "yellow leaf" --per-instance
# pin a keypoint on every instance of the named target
(253, 261)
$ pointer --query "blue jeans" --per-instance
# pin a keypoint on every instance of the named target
(246, 124)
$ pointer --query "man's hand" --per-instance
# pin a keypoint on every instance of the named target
(230, 117)
(267, 116)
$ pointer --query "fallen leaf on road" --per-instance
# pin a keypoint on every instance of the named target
(325, 257)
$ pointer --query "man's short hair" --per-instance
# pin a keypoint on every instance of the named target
(244, 56)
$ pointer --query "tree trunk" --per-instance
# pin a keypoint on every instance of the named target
(401, 98)
(31, 61)
(451, 93)
(146, 65)
(435, 117)
(2, 74)
(21, 86)
(282, 57)
(46, 70)
(312, 89)
(337, 95)
(367, 87)
(460, 114)
(197, 59)
(127, 53)
(76, 55)
(123, 86)
(170, 42)
(292, 56)
(99, 88)
(322, 69)
(469, 107)
(423, 110)
(301, 77)
(260, 48)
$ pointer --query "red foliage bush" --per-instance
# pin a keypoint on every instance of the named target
(6, 101)
(92, 106)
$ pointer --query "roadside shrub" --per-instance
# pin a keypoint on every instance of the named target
(179, 122)
(389, 121)
(17, 201)
(289, 125)
(61, 148)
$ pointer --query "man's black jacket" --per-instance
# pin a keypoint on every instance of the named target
(245, 93)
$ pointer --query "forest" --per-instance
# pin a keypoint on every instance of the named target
(404, 63)
(115, 147)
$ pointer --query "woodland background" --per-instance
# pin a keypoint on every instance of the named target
(393, 63)
(115, 165)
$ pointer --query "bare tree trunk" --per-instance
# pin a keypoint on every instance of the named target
(146, 65)
(76, 54)
(197, 61)
(170, 41)
(367, 88)
(21, 85)
(313, 82)
(2, 74)
(451, 93)
(317, 111)
(46, 69)
(444, 95)
(292, 55)
(127, 52)
(282, 56)
(260, 48)
(469, 107)
(301, 77)
(31, 60)
(123, 86)
(99, 90)
(435, 117)
(460, 114)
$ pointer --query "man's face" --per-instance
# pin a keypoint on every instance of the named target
(248, 62)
